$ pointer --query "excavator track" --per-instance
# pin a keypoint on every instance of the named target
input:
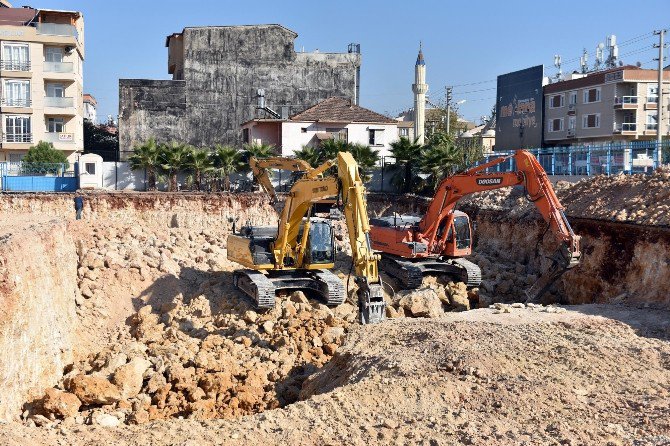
(410, 273)
(257, 286)
(332, 289)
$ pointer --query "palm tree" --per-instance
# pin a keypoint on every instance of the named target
(440, 160)
(259, 150)
(309, 154)
(227, 160)
(330, 148)
(408, 153)
(200, 162)
(365, 157)
(173, 158)
(145, 157)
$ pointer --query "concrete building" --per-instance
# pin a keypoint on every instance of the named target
(41, 76)
(613, 105)
(90, 108)
(420, 88)
(223, 76)
(333, 118)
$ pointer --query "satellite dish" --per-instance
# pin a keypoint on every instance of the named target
(601, 45)
(638, 64)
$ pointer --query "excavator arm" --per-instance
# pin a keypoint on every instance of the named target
(529, 174)
(260, 169)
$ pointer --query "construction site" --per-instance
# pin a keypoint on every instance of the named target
(133, 325)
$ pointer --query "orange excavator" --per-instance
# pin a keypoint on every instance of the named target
(437, 243)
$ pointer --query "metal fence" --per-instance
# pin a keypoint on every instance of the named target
(38, 177)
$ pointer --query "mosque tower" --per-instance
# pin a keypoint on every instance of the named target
(419, 88)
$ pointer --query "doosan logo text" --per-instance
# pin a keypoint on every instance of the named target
(489, 181)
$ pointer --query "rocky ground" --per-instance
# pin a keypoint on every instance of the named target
(640, 199)
(596, 375)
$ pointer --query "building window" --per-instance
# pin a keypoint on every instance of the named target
(53, 54)
(16, 93)
(245, 136)
(556, 125)
(652, 93)
(572, 123)
(375, 137)
(89, 168)
(652, 121)
(338, 134)
(55, 90)
(18, 129)
(403, 132)
(55, 125)
(16, 157)
(556, 101)
(592, 95)
(16, 57)
(591, 121)
(572, 98)
(303, 129)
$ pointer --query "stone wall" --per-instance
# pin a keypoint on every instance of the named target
(223, 69)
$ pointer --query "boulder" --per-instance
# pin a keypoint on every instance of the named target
(106, 420)
(93, 390)
(129, 377)
(422, 303)
(61, 404)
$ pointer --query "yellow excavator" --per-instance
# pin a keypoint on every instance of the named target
(299, 253)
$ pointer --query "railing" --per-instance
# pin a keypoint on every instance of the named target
(58, 67)
(16, 102)
(608, 159)
(625, 127)
(14, 65)
(652, 99)
(59, 137)
(651, 126)
(620, 100)
(19, 137)
(57, 29)
(60, 102)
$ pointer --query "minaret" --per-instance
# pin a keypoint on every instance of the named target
(419, 88)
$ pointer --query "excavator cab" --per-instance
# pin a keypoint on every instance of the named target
(321, 242)
(459, 237)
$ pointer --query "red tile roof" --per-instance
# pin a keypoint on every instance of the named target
(338, 109)
(16, 16)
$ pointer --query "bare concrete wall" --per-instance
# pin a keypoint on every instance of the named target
(223, 68)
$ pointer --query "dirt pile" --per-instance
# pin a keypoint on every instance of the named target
(640, 199)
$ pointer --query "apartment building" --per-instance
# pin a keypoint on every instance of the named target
(613, 105)
(41, 78)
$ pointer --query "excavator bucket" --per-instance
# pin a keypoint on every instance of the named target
(561, 261)
(371, 305)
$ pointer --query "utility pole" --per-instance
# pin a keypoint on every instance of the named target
(448, 95)
(661, 104)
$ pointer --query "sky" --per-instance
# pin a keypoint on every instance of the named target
(466, 43)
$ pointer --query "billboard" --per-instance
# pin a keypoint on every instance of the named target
(519, 109)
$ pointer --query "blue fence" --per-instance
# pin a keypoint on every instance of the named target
(607, 159)
(38, 177)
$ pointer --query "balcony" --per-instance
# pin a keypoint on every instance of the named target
(651, 103)
(18, 137)
(57, 29)
(58, 67)
(14, 65)
(625, 102)
(625, 128)
(59, 137)
(572, 109)
(58, 102)
(16, 102)
(651, 126)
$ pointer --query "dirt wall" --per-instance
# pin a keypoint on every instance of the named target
(184, 210)
(38, 269)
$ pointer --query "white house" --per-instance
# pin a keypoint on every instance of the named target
(333, 118)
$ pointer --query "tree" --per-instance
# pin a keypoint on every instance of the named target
(227, 160)
(172, 158)
(201, 163)
(406, 153)
(365, 157)
(309, 154)
(259, 150)
(440, 157)
(44, 158)
(146, 157)
(98, 140)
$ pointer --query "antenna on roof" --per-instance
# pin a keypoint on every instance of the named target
(557, 64)
(600, 56)
(613, 50)
(584, 60)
